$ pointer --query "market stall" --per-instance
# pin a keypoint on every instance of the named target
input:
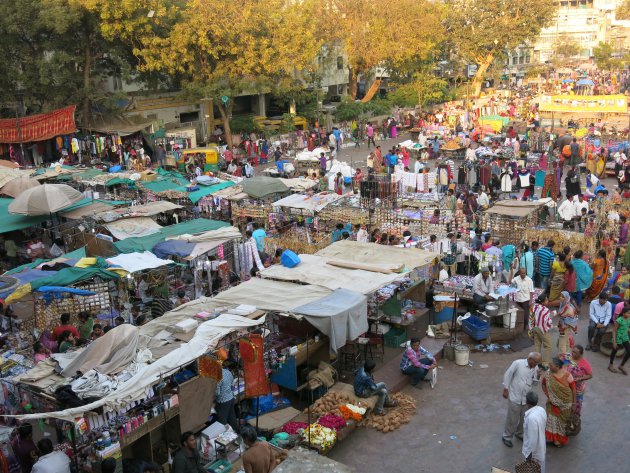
(509, 219)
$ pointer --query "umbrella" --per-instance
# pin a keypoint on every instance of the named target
(262, 186)
(18, 185)
(566, 81)
(44, 200)
(585, 82)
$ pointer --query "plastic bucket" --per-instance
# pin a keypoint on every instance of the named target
(445, 315)
(509, 319)
(462, 353)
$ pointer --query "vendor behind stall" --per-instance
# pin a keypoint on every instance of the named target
(483, 286)
(224, 400)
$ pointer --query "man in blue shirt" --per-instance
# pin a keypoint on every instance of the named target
(364, 386)
(259, 235)
(337, 134)
(224, 400)
(546, 256)
(337, 233)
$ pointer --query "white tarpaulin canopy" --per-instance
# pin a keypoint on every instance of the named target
(315, 270)
(314, 203)
(377, 256)
(206, 338)
(341, 316)
(220, 234)
(133, 262)
(133, 227)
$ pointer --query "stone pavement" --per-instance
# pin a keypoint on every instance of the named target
(467, 403)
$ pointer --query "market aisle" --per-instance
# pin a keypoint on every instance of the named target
(467, 403)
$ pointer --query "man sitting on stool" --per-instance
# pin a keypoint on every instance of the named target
(483, 286)
(364, 386)
(416, 362)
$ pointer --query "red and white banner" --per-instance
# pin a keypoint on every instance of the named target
(38, 127)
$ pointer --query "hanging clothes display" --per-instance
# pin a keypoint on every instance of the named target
(550, 188)
(485, 174)
(472, 177)
(252, 355)
(523, 177)
(540, 178)
(461, 175)
(443, 175)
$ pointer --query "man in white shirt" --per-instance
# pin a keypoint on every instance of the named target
(517, 382)
(470, 155)
(483, 200)
(49, 460)
(525, 287)
(534, 422)
(599, 314)
(578, 204)
(566, 211)
(483, 286)
(418, 166)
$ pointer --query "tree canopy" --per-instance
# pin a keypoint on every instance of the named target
(376, 34)
(482, 31)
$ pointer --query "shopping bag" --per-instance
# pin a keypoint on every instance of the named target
(574, 425)
(528, 466)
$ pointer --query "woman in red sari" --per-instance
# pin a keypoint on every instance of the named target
(559, 387)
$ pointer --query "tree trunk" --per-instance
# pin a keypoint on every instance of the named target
(225, 119)
(87, 85)
(352, 82)
(480, 75)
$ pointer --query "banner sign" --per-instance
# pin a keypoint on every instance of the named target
(38, 127)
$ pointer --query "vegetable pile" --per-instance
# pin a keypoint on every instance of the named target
(394, 417)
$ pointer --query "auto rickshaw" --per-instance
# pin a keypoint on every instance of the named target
(209, 155)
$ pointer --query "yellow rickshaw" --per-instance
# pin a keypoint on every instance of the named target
(209, 155)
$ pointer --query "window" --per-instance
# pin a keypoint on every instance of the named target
(528, 59)
(339, 63)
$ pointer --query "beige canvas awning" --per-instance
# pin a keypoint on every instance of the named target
(377, 256)
(87, 211)
(518, 208)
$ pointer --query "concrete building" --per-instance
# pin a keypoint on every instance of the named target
(587, 22)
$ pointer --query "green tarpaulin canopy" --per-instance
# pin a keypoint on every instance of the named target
(76, 254)
(204, 191)
(146, 243)
(11, 222)
(119, 180)
(68, 276)
(262, 186)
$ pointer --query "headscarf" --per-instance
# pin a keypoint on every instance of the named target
(565, 300)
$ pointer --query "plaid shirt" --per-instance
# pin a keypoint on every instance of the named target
(223, 391)
(411, 357)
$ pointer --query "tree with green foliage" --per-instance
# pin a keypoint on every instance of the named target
(219, 48)
(482, 31)
(54, 55)
(603, 57)
(623, 11)
(566, 47)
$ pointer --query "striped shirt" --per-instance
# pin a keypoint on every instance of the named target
(540, 318)
(545, 258)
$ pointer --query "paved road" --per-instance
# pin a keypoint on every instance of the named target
(467, 403)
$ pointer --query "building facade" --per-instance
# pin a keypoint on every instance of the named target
(585, 22)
